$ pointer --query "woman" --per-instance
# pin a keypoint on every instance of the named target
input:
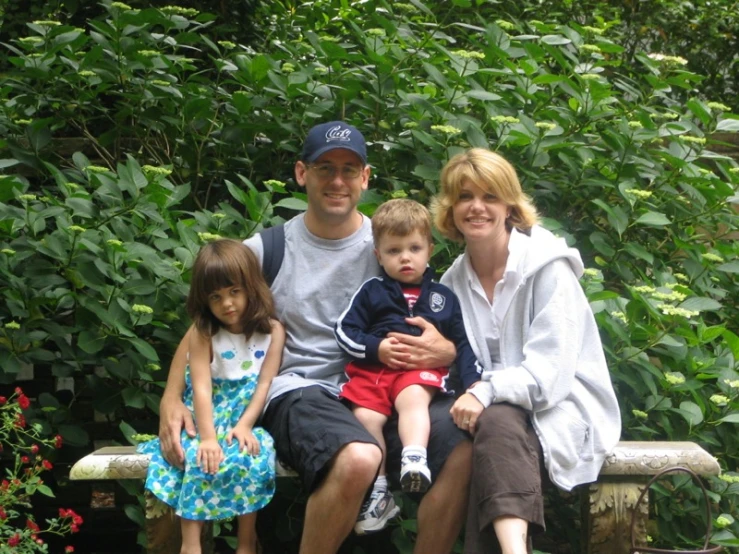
(544, 401)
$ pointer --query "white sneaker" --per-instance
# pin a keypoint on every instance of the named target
(415, 475)
(376, 512)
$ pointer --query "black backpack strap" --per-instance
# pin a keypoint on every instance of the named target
(273, 250)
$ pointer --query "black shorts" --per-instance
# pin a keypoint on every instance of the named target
(310, 426)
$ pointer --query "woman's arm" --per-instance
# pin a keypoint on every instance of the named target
(242, 431)
(210, 454)
(173, 415)
(546, 373)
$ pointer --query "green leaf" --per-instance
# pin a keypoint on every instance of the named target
(731, 418)
(90, 342)
(46, 491)
(145, 349)
(139, 287)
(555, 39)
(127, 431)
(691, 412)
(732, 341)
(260, 66)
(292, 204)
(74, 435)
(728, 125)
(700, 304)
(133, 397)
(654, 219)
(81, 207)
(638, 251)
(731, 267)
(238, 194)
(482, 95)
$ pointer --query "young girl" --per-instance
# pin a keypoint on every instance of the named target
(235, 351)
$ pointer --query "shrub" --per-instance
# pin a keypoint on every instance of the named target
(615, 149)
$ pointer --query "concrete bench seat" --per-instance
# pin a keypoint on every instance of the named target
(607, 504)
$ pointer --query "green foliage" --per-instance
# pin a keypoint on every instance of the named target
(182, 136)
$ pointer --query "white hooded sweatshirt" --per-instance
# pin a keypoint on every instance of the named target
(551, 358)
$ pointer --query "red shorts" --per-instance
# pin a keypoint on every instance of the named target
(376, 387)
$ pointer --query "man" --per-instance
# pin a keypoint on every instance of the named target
(328, 255)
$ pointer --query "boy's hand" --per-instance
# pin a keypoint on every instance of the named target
(246, 438)
(209, 456)
(390, 354)
(430, 349)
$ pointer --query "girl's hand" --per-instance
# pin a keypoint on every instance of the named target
(209, 456)
(246, 438)
(465, 412)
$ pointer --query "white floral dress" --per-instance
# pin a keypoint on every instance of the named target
(243, 483)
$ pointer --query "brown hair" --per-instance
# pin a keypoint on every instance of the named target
(490, 172)
(400, 217)
(227, 263)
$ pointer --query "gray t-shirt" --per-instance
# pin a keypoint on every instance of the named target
(316, 282)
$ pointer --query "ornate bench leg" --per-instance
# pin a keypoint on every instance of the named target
(606, 516)
(163, 534)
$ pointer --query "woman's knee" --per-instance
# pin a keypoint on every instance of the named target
(501, 422)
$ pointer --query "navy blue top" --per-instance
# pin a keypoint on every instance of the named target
(379, 307)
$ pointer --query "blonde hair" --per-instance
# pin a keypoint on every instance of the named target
(401, 217)
(490, 172)
(228, 263)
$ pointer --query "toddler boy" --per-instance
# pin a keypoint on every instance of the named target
(401, 231)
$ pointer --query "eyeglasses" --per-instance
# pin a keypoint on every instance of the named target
(329, 171)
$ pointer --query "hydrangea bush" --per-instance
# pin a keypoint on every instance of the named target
(187, 139)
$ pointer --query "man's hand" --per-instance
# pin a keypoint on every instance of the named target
(465, 412)
(173, 417)
(430, 350)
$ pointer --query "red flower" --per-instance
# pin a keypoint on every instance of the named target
(4, 485)
(74, 528)
(3, 400)
(14, 540)
(3, 514)
(77, 519)
(32, 525)
(24, 402)
(47, 464)
(34, 449)
(39, 541)
(20, 421)
(69, 549)
(24, 459)
(58, 441)
(18, 390)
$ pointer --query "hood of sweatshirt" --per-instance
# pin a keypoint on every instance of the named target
(538, 248)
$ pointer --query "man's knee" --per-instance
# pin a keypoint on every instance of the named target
(356, 464)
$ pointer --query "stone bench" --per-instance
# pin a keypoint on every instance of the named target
(607, 505)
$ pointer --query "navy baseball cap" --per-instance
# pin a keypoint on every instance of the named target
(329, 136)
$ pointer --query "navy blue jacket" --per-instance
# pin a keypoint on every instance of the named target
(379, 307)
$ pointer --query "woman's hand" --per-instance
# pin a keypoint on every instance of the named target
(247, 441)
(209, 456)
(430, 350)
(173, 417)
(465, 412)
